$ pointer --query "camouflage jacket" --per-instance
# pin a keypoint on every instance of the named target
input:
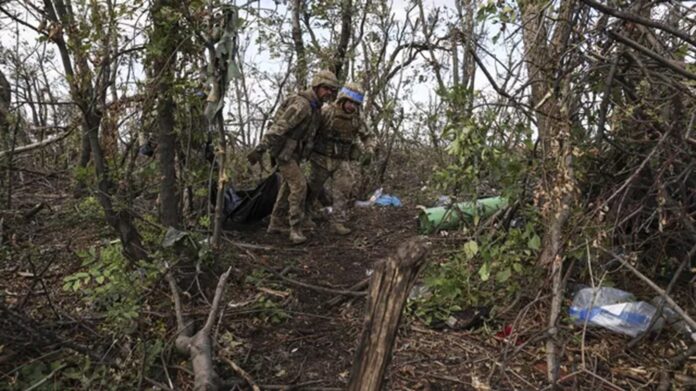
(339, 132)
(293, 128)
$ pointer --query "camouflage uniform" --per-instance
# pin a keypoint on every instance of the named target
(334, 147)
(289, 141)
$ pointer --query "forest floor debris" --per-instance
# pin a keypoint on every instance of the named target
(298, 323)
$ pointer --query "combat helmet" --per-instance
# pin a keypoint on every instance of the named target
(352, 92)
(325, 78)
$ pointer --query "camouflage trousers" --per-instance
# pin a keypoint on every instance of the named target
(322, 168)
(290, 201)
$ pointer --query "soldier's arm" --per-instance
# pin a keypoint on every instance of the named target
(297, 110)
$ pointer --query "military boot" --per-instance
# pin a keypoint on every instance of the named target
(296, 236)
(340, 229)
(276, 227)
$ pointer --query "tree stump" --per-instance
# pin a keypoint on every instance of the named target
(390, 286)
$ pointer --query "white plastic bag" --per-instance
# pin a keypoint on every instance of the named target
(613, 309)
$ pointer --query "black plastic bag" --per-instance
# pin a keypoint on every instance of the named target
(244, 208)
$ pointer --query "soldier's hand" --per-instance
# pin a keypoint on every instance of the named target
(254, 156)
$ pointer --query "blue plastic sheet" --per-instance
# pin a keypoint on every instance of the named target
(388, 200)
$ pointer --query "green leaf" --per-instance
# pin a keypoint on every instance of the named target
(470, 249)
(172, 236)
(534, 243)
(503, 275)
(485, 271)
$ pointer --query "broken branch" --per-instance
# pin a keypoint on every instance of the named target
(345, 292)
(199, 346)
(31, 147)
(242, 373)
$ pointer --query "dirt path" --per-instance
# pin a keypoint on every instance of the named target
(316, 340)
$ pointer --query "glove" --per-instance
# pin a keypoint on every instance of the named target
(255, 156)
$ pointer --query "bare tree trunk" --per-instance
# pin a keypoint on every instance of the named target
(163, 38)
(543, 45)
(301, 66)
(455, 56)
(340, 60)
(166, 149)
(119, 220)
(109, 46)
(10, 160)
(222, 180)
(552, 255)
(89, 99)
(5, 101)
(242, 98)
(467, 36)
(390, 285)
(427, 34)
(42, 114)
(85, 157)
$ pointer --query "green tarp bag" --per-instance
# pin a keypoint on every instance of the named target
(443, 218)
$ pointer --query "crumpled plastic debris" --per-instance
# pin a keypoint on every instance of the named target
(506, 335)
(388, 200)
(378, 198)
(619, 311)
(370, 201)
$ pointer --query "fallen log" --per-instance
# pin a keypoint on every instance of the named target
(33, 146)
(390, 285)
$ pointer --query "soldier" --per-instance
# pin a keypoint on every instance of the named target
(289, 140)
(335, 146)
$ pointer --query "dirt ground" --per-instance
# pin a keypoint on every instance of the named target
(292, 337)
